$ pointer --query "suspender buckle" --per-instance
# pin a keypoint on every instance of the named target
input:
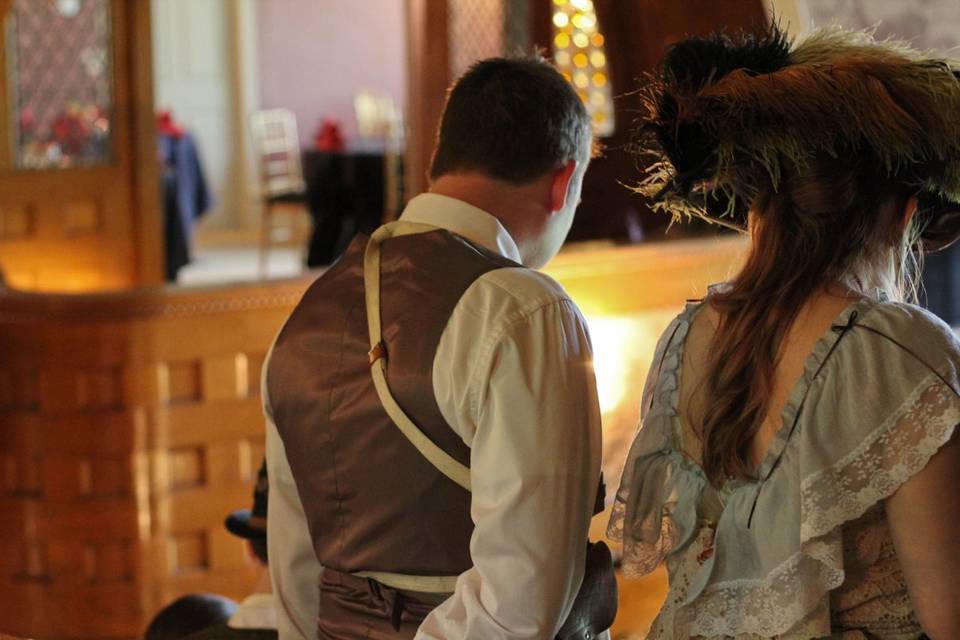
(376, 353)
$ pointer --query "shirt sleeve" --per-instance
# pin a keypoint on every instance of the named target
(530, 405)
(294, 568)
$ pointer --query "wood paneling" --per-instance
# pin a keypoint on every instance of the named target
(130, 426)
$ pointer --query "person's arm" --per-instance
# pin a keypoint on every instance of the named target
(924, 518)
(535, 466)
(294, 568)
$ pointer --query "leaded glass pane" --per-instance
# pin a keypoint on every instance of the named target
(60, 82)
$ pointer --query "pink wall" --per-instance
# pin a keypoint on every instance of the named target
(316, 54)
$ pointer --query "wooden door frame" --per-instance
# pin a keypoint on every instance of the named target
(146, 206)
(428, 75)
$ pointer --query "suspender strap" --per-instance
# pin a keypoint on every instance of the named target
(439, 458)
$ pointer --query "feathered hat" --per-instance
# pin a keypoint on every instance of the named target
(723, 116)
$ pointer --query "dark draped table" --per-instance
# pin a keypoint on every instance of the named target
(346, 196)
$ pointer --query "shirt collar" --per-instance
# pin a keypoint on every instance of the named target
(257, 611)
(456, 216)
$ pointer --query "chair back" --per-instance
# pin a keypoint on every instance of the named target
(278, 148)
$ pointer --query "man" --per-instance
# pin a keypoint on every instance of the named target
(489, 359)
(256, 617)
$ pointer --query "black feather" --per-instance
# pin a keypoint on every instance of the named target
(688, 67)
(695, 62)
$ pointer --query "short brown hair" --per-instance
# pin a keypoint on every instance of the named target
(512, 119)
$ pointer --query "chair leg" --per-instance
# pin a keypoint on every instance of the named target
(265, 219)
(305, 229)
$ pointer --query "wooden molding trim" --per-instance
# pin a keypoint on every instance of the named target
(159, 302)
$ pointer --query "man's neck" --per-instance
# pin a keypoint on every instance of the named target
(518, 207)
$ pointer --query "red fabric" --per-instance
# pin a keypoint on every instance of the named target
(167, 125)
(328, 136)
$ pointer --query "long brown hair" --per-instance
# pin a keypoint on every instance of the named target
(829, 221)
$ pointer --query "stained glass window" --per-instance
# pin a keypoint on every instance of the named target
(578, 50)
(476, 32)
(59, 82)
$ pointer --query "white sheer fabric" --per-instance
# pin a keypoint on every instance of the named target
(802, 551)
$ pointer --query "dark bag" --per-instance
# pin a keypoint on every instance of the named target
(595, 606)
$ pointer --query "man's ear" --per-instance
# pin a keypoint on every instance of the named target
(560, 186)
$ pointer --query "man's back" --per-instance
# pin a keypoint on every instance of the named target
(368, 483)
(492, 362)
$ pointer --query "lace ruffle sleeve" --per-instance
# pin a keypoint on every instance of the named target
(654, 511)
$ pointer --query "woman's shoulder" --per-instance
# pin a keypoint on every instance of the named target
(904, 330)
(911, 319)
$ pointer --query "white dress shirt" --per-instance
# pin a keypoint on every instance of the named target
(513, 377)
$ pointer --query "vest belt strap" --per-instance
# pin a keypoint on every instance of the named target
(422, 584)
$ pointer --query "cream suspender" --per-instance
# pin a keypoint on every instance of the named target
(439, 458)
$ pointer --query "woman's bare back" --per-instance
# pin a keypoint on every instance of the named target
(814, 320)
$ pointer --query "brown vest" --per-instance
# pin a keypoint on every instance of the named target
(372, 501)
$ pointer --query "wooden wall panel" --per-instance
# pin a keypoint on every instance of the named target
(130, 426)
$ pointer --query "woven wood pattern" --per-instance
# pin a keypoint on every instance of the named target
(126, 436)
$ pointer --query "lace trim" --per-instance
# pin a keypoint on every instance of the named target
(777, 604)
(886, 459)
(641, 554)
(767, 607)
(640, 558)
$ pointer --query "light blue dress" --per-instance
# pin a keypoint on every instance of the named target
(803, 550)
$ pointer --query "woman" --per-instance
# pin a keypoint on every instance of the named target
(797, 466)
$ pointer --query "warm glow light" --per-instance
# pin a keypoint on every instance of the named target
(613, 340)
(578, 53)
(623, 347)
(584, 21)
(608, 336)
